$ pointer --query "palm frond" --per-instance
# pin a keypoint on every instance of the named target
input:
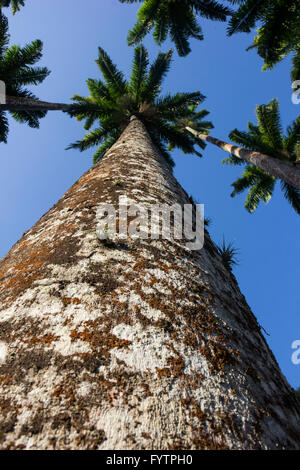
(139, 71)
(4, 36)
(91, 139)
(15, 4)
(295, 73)
(260, 187)
(156, 75)
(245, 18)
(3, 127)
(178, 18)
(269, 123)
(115, 80)
(145, 21)
(292, 195)
(98, 89)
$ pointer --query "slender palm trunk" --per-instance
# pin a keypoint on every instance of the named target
(134, 344)
(288, 172)
(26, 104)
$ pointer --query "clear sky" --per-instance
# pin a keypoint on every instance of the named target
(35, 169)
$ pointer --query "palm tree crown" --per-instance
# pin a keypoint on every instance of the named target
(15, 4)
(278, 34)
(17, 71)
(113, 102)
(177, 17)
(267, 137)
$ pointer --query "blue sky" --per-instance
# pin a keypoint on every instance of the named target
(35, 169)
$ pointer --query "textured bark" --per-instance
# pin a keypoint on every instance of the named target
(288, 172)
(133, 344)
(26, 104)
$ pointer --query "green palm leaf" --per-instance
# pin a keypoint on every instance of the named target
(15, 4)
(269, 123)
(139, 71)
(178, 18)
(115, 81)
(156, 75)
(292, 195)
(278, 32)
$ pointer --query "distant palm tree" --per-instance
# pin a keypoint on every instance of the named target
(266, 145)
(267, 137)
(114, 102)
(278, 34)
(15, 4)
(17, 71)
(177, 17)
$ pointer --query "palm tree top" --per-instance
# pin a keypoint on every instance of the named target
(179, 18)
(113, 101)
(278, 33)
(15, 4)
(266, 137)
(17, 70)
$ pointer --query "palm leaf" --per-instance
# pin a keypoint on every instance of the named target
(139, 71)
(292, 195)
(115, 81)
(3, 127)
(157, 73)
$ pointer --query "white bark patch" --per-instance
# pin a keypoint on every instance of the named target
(84, 389)
(148, 349)
(3, 352)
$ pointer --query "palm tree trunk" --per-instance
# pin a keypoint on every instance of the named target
(288, 172)
(26, 104)
(131, 344)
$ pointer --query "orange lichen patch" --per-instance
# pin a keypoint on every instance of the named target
(4, 380)
(35, 259)
(25, 272)
(101, 340)
(24, 243)
(175, 369)
(71, 227)
(66, 301)
(219, 356)
(163, 372)
(50, 314)
(65, 390)
(47, 340)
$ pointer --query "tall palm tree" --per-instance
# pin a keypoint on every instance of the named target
(131, 343)
(17, 71)
(111, 105)
(175, 17)
(15, 4)
(278, 33)
(268, 154)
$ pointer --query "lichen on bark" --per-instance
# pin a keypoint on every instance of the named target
(133, 344)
